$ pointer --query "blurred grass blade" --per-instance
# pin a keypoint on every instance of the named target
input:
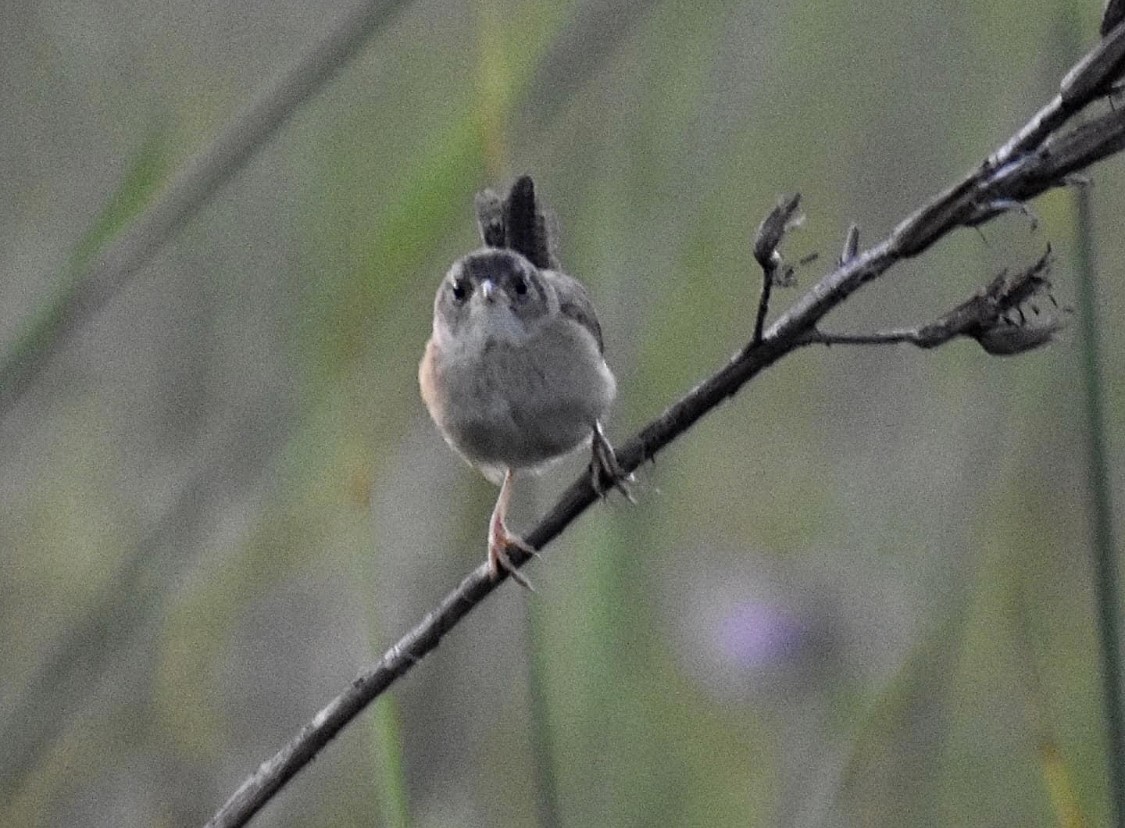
(1057, 778)
(1060, 787)
(1106, 579)
(592, 37)
(885, 780)
(394, 807)
(74, 670)
(1107, 591)
(542, 741)
(145, 171)
(428, 199)
(198, 180)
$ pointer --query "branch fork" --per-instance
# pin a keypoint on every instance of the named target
(784, 217)
(994, 317)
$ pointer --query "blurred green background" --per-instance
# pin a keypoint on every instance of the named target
(857, 594)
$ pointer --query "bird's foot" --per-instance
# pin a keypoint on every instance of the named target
(500, 540)
(604, 467)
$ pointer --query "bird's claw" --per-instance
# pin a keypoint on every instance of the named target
(604, 467)
(499, 541)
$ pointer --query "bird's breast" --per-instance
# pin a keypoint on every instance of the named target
(517, 405)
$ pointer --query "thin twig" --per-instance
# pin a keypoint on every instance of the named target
(771, 232)
(763, 306)
(1019, 169)
(895, 336)
(986, 317)
(851, 245)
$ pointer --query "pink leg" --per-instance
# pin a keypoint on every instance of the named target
(500, 539)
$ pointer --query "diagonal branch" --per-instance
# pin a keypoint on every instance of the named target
(1036, 158)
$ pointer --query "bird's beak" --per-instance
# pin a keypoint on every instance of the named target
(488, 289)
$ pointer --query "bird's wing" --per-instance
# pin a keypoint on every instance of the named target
(575, 303)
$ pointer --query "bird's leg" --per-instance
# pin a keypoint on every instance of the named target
(604, 464)
(499, 538)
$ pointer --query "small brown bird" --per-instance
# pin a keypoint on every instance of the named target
(514, 374)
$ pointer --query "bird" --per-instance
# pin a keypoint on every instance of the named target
(514, 372)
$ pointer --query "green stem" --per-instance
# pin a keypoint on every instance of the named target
(1105, 562)
(394, 808)
(542, 743)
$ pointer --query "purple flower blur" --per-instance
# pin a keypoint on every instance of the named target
(759, 634)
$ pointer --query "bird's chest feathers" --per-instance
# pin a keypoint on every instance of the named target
(492, 369)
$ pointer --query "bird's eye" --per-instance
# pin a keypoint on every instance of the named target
(520, 286)
(460, 290)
